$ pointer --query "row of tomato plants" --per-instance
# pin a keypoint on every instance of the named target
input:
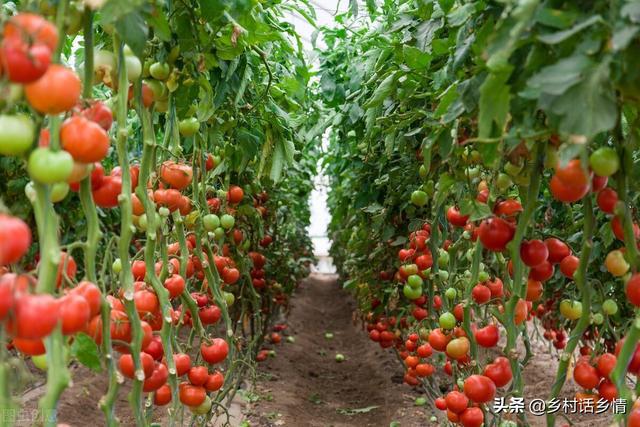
(485, 217)
(187, 248)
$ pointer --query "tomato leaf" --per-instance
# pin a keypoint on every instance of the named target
(475, 209)
(560, 36)
(494, 105)
(86, 351)
(134, 32)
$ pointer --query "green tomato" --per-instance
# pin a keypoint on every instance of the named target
(160, 70)
(162, 106)
(164, 212)
(415, 281)
(610, 307)
(328, 336)
(419, 198)
(227, 221)
(572, 310)
(447, 320)
(218, 233)
(59, 191)
(211, 222)
(472, 173)
(143, 222)
(443, 258)
(17, 133)
(189, 126)
(30, 192)
(483, 276)
(134, 67)
(49, 167)
(604, 161)
(420, 401)
(503, 182)
(229, 298)
(411, 269)
(203, 408)
(340, 358)
(443, 275)
(422, 171)
(451, 293)
(117, 266)
(411, 293)
(598, 318)
(512, 169)
(40, 361)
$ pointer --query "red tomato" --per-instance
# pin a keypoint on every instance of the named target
(157, 379)
(496, 287)
(488, 336)
(542, 272)
(91, 293)
(569, 265)
(567, 193)
(175, 284)
(182, 362)
(74, 313)
(128, 370)
(472, 417)
(438, 340)
(24, 62)
(585, 375)
(607, 199)
(15, 239)
(85, 140)
(606, 364)
(533, 252)
(235, 194)
(499, 371)
(57, 91)
(481, 294)
(534, 290)
(456, 401)
(33, 28)
(508, 208)
(177, 175)
(455, 218)
(34, 316)
(633, 289)
(215, 352)
(558, 250)
(162, 396)
(198, 375)
(495, 233)
(106, 194)
(191, 395)
(29, 347)
(479, 389)
(215, 381)
(99, 113)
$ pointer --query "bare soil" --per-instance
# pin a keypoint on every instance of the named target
(305, 386)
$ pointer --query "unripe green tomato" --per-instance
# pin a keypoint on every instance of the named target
(610, 307)
(16, 135)
(49, 167)
(433, 419)
(415, 281)
(59, 191)
(429, 187)
(443, 275)
(211, 222)
(340, 358)
(482, 266)
(475, 156)
(420, 401)
(134, 67)
(443, 258)
(189, 126)
(522, 179)
(422, 171)
(598, 318)
(203, 408)
(451, 293)
(483, 276)
(10, 94)
(229, 298)
(467, 274)
(572, 310)
(511, 169)
(218, 233)
(410, 269)
(412, 293)
(40, 361)
(246, 244)
(424, 334)
(143, 222)
(162, 106)
(159, 70)
(472, 173)
(227, 221)
(222, 194)
(164, 212)
(503, 182)
(160, 92)
(447, 320)
(30, 192)
(419, 198)
(604, 161)
(466, 235)
(117, 266)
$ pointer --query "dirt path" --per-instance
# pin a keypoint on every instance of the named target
(305, 386)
